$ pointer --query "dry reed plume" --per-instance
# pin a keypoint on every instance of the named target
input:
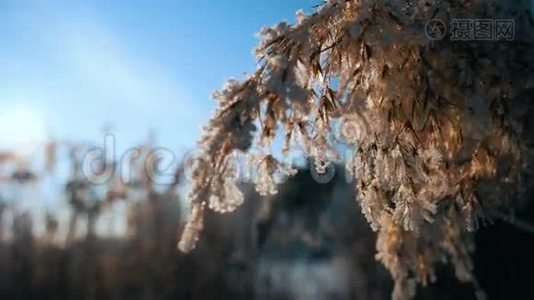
(437, 129)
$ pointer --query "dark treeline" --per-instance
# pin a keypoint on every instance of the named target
(308, 242)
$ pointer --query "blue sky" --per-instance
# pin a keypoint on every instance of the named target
(67, 68)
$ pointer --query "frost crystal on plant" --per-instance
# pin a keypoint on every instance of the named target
(437, 128)
(265, 179)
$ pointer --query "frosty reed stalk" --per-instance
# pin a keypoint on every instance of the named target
(436, 128)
